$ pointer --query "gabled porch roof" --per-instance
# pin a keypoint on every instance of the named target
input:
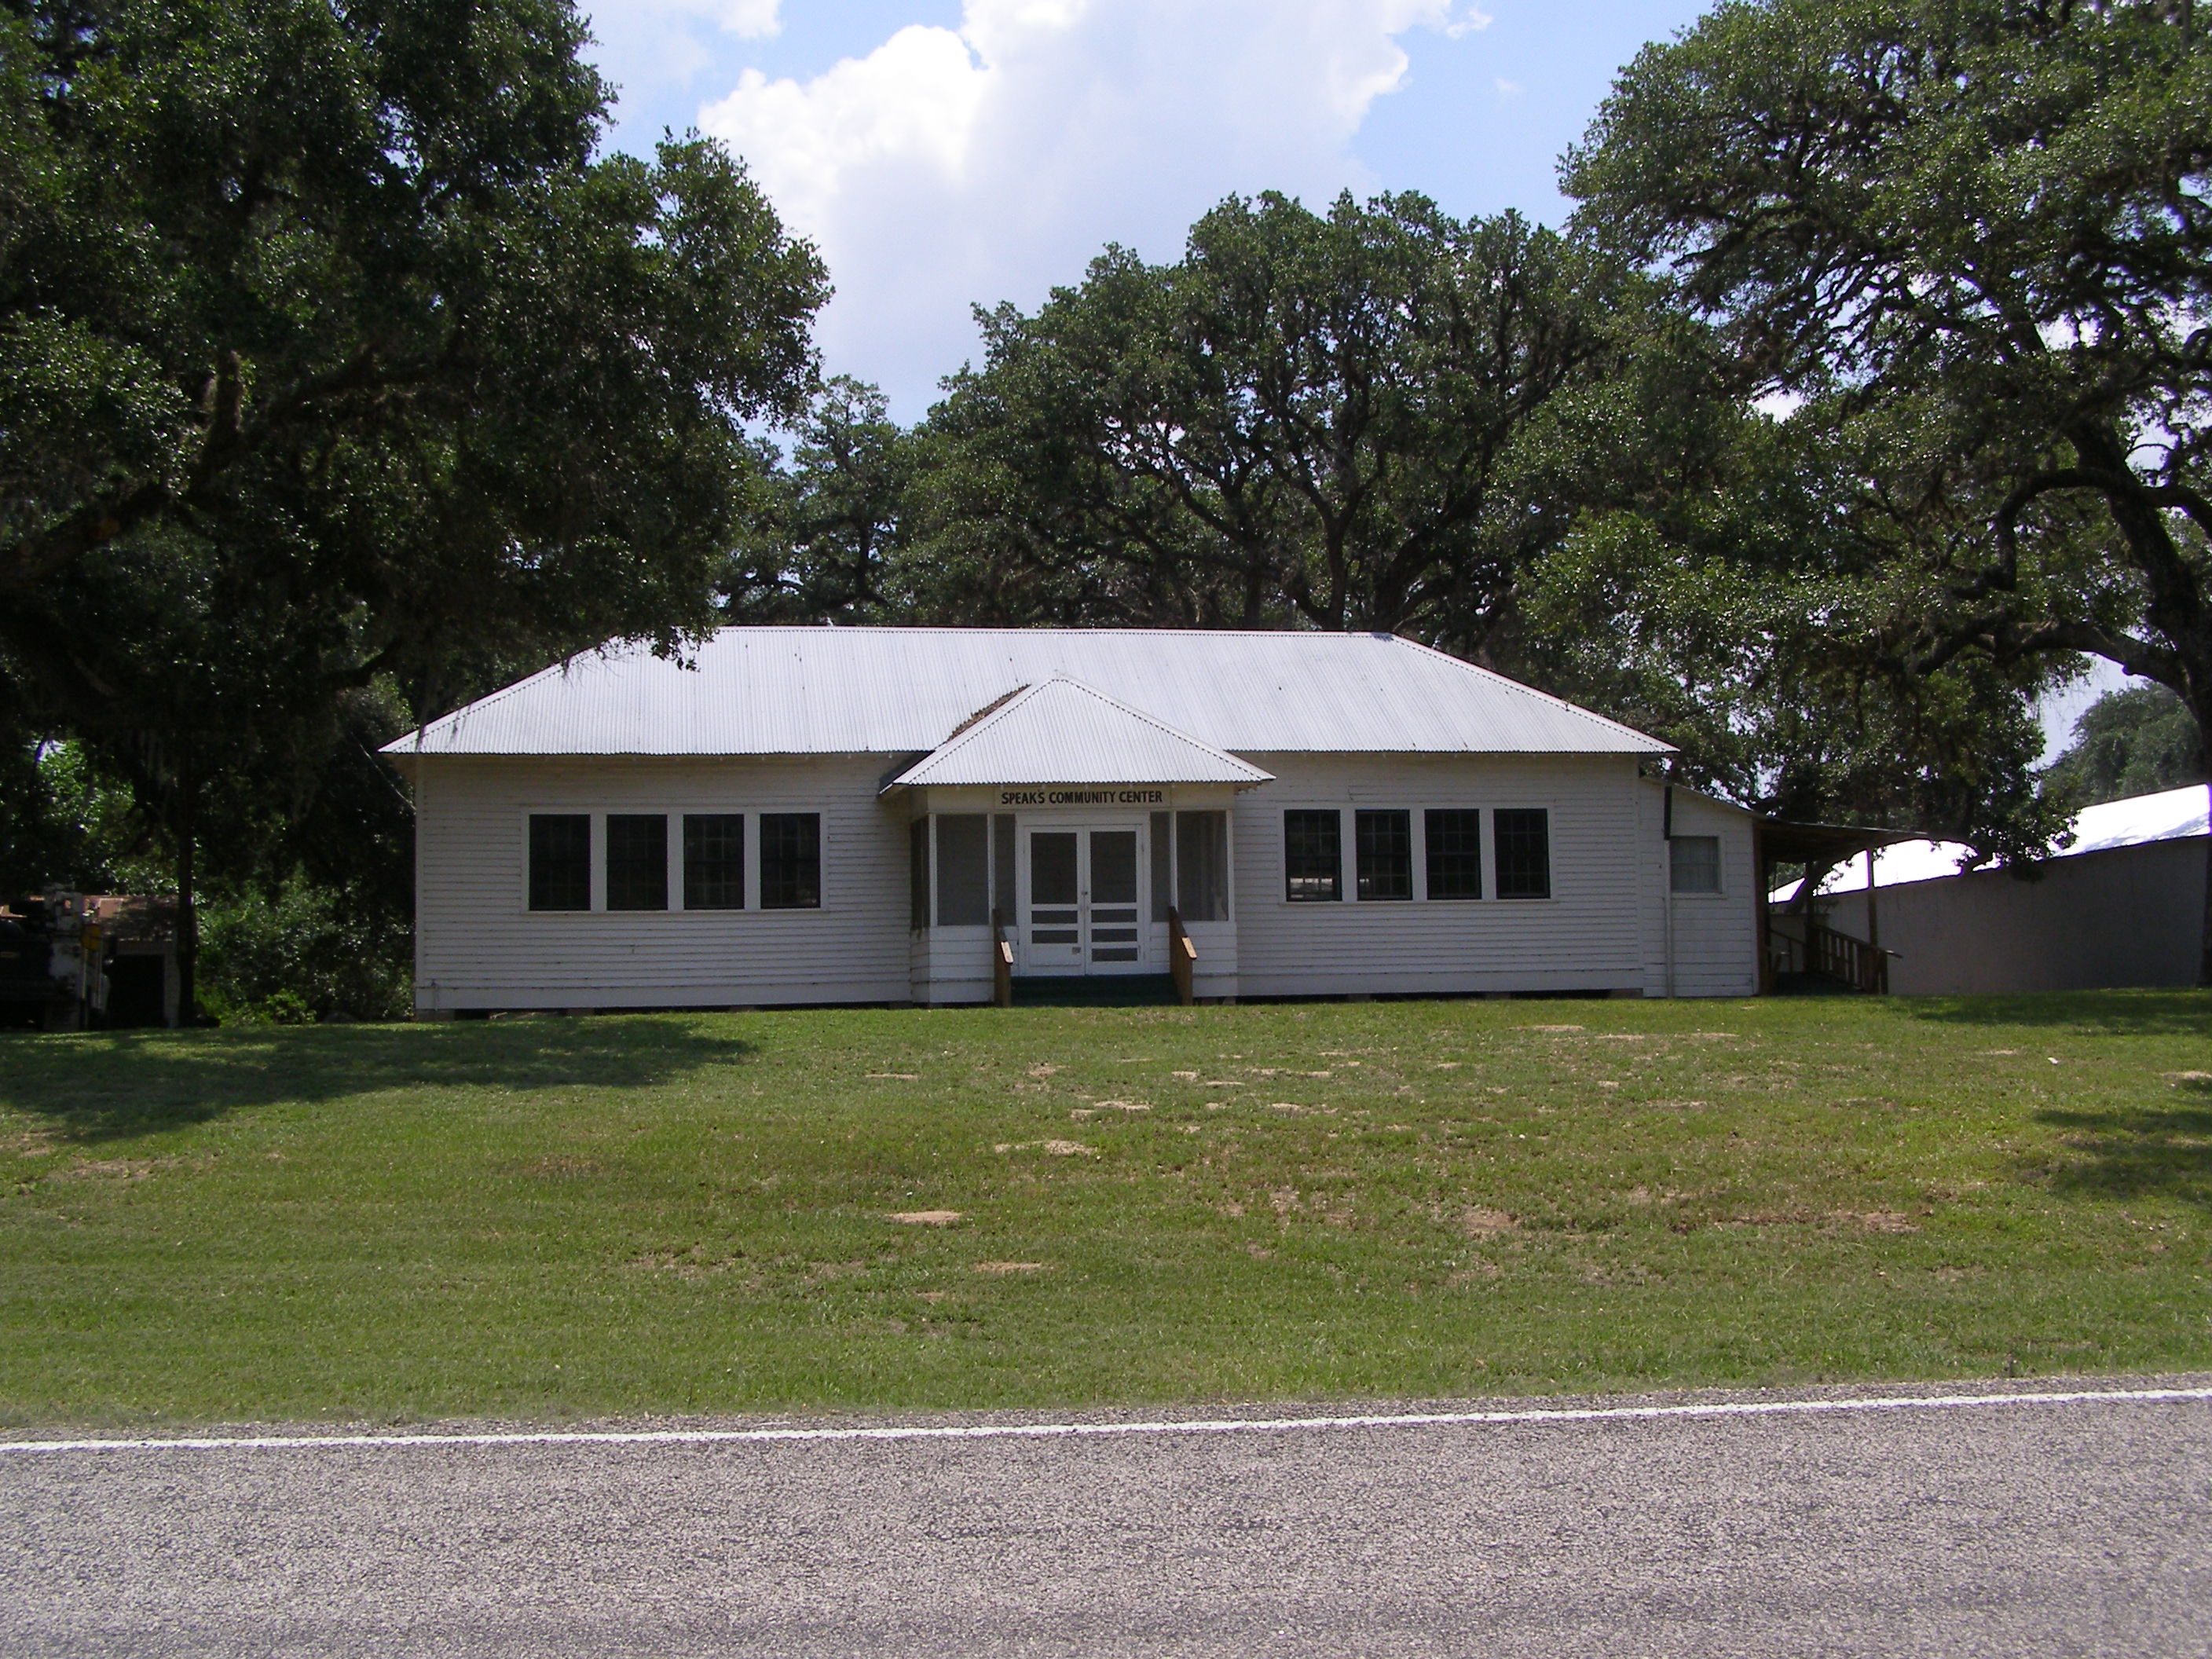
(1060, 731)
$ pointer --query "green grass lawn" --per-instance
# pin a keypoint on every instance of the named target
(559, 1217)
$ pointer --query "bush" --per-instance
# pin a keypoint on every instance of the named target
(302, 954)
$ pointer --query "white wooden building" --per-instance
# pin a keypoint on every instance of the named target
(820, 815)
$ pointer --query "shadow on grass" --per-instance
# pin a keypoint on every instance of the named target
(131, 1083)
(2148, 1151)
(2098, 1013)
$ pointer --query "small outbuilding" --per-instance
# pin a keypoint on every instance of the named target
(2122, 904)
(833, 815)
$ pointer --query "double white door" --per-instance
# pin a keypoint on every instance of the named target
(1084, 889)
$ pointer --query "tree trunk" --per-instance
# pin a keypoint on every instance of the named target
(188, 925)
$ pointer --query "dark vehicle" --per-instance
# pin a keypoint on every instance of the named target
(29, 992)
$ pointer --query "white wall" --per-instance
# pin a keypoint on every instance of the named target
(1714, 944)
(478, 945)
(1584, 937)
(2129, 916)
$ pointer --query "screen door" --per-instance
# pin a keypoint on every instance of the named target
(1084, 899)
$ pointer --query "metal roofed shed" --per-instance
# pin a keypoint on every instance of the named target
(904, 690)
(943, 816)
(1061, 729)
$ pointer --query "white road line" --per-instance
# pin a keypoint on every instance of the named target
(1088, 1431)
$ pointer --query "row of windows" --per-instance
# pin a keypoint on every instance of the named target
(1382, 847)
(711, 855)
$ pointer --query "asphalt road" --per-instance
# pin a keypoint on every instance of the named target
(2046, 1529)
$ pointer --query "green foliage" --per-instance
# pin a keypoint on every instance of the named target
(302, 953)
(829, 524)
(335, 373)
(1373, 418)
(2133, 742)
(1972, 235)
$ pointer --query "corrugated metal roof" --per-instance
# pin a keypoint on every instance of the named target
(2169, 815)
(1064, 732)
(894, 690)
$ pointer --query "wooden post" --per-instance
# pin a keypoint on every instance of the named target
(1181, 954)
(1002, 960)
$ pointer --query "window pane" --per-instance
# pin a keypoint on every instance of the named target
(1163, 895)
(1002, 867)
(1697, 864)
(964, 872)
(1385, 855)
(918, 871)
(1052, 870)
(714, 861)
(560, 861)
(637, 861)
(1454, 852)
(791, 861)
(1114, 868)
(1524, 853)
(1202, 866)
(1313, 856)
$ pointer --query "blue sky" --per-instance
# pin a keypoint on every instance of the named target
(947, 152)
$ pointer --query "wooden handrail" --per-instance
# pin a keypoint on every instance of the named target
(1836, 955)
(1183, 956)
(1002, 961)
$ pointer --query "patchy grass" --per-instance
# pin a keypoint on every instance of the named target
(560, 1217)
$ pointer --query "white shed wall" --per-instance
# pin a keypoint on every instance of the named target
(478, 945)
(2128, 915)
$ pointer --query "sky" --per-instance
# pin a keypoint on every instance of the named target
(946, 153)
(943, 154)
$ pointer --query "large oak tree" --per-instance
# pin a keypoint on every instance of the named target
(329, 354)
(1973, 237)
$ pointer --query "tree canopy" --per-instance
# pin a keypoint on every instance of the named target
(330, 356)
(1972, 238)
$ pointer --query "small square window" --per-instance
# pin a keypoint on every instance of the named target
(637, 861)
(1313, 856)
(1524, 853)
(1385, 855)
(1697, 864)
(791, 861)
(560, 861)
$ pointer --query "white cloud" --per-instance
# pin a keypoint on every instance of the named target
(991, 161)
(646, 44)
(1472, 22)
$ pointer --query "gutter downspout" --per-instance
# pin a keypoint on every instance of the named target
(1667, 877)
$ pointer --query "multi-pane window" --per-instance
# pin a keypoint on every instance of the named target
(1697, 864)
(1202, 866)
(790, 861)
(963, 869)
(637, 861)
(1163, 865)
(1524, 853)
(560, 861)
(713, 860)
(1313, 855)
(1385, 841)
(1453, 842)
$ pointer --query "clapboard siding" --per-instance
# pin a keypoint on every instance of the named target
(1715, 943)
(1584, 937)
(478, 946)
